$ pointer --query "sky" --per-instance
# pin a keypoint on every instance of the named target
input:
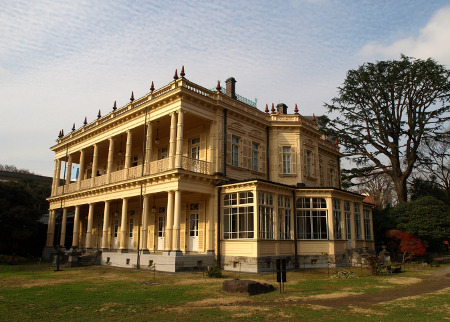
(62, 61)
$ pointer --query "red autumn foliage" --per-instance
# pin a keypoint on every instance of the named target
(406, 243)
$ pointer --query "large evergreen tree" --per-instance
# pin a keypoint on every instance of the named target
(386, 109)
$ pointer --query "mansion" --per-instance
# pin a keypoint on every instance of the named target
(186, 177)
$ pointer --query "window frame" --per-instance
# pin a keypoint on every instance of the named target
(284, 217)
(238, 207)
(337, 218)
(287, 159)
(235, 150)
(255, 156)
(313, 212)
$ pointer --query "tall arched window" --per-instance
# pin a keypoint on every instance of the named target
(311, 218)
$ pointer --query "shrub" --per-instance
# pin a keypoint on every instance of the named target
(344, 274)
(214, 271)
(374, 263)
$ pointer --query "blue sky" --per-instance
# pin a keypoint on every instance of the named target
(63, 60)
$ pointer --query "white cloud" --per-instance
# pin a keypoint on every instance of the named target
(432, 41)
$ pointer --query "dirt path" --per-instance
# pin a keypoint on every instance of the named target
(438, 281)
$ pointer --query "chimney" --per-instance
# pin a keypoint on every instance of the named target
(231, 87)
(281, 108)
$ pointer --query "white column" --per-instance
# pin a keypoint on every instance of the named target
(50, 228)
(54, 177)
(62, 238)
(176, 221)
(128, 153)
(169, 224)
(212, 147)
(123, 225)
(89, 226)
(80, 170)
(94, 165)
(172, 140)
(105, 225)
(210, 240)
(76, 227)
(69, 171)
(148, 148)
(57, 176)
(110, 159)
(179, 148)
(146, 208)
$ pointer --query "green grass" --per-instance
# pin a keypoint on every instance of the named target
(32, 292)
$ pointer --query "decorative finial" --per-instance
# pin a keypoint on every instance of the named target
(182, 72)
(115, 106)
(73, 127)
(176, 75)
(132, 97)
(62, 132)
(85, 120)
(267, 109)
(273, 109)
(314, 118)
(152, 88)
(99, 115)
(59, 135)
(218, 87)
(296, 109)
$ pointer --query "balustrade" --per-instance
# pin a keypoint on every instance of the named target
(117, 176)
(195, 165)
(159, 166)
(135, 172)
(72, 187)
(101, 180)
(154, 167)
(85, 184)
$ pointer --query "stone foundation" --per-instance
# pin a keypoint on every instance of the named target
(164, 261)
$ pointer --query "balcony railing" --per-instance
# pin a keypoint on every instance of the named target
(159, 166)
(135, 172)
(195, 165)
(154, 167)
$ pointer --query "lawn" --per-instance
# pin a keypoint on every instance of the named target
(37, 292)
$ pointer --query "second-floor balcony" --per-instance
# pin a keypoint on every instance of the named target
(154, 167)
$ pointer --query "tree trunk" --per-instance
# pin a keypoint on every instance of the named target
(400, 188)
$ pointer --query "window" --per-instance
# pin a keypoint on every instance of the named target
(311, 221)
(255, 157)
(235, 141)
(265, 212)
(164, 153)
(348, 220)
(195, 148)
(116, 227)
(135, 161)
(308, 163)
(284, 217)
(367, 226)
(337, 219)
(358, 227)
(238, 215)
(287, 160)
(131, 227)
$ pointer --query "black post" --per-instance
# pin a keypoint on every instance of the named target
(58, 237)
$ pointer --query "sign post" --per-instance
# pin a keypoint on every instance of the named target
(281, 273)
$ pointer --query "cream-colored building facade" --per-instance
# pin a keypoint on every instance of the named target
(188, 177)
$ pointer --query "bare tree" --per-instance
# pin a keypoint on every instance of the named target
(435, 160)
